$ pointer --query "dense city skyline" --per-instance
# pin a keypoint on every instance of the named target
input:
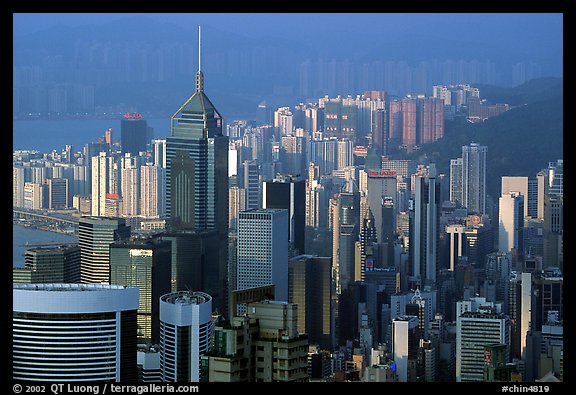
(363, 216)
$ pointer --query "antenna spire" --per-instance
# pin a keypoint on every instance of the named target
(199, 47)
(199, 75)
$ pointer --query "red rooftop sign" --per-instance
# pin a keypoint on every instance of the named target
(134, 115)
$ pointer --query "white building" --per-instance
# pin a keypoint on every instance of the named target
(186, 330)
(404, 344)
(73, 332)
(511, 221)
(263, 250)
(478, 324)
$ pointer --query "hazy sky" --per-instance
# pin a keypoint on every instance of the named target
(525, 32)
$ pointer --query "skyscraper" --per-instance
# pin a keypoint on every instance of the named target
(310, 287)
(143, 263)
(478, 324)
(186, 330)
(133, 135)
(197, 172)
(424, 229)
(102, 166)
(95, 234)
(511, 222)
(290, 194)
(262, 257)
(252, 184)
(59, 264)
(74, 332)
(405, 346)
(474, 178)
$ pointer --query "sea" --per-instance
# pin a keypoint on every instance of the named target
(22, 234)
(48, 135)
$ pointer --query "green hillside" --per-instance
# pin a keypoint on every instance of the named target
(520, 142)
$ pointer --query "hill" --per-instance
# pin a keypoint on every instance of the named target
(520, 142)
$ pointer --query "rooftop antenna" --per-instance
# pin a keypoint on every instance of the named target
(199, 75)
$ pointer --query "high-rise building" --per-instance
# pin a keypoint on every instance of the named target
(102, 168)
(425, 229)
(130, 185)
(283, 121)
(479, 323)
(152, 191)
(186, 330)
(456, 181)
(285, 192)
(59, 264)
(57, 191)
(252, 184)
(474, 178)
(382, 186)
(197, 174)
(310, 287)
(262, 257)
(430, 119)
(553, 231)
(95, 234)
(74, 332)
(405, 346)
(159, 152)
(409, 127)
(511, 222)
(521, 185)
(143, 263)
(133, 135)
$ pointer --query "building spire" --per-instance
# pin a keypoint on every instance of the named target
(199, 75)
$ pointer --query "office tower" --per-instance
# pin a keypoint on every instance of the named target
(474, 178)
(152, 191)
(553, 231)
(133, 135)
(478, 324)
(252, 184)
(382, 186)
(424, 229)
(380, 135)
(324, 154)
(479, 240)
(262, 257)
(193, 255)
(17, 186)
(57, 190)
(283, 121)
(511, 222)
(34, 196)
(547, 294)
(186, 330)
(237, 203)
(52, 264)
(197, 175)
(102, 168)
(456, 244)
(521, 185)
(102, 318)
(366, 242)
(348, 222)
(405, 346)
(496, 366)
(263, 114)
(293, 154)
(146, 264)
(81, 185)
(310, 287)
(456, 181)
(555, 172)
(159, 152)
(95, 234)
(285, 192)
(130, 186)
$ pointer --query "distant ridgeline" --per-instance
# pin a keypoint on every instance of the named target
(520, 142)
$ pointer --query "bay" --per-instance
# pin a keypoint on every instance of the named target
(22, 234)
(54, 134)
